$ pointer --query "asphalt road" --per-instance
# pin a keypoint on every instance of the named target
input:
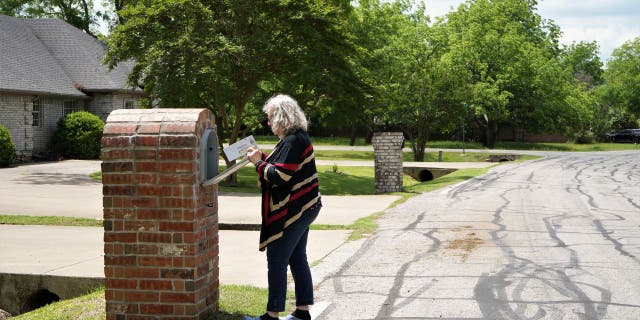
(555, 238)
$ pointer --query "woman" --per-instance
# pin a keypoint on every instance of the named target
(290, 202)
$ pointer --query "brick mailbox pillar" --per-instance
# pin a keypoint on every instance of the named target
(387, 147)
(160, 224)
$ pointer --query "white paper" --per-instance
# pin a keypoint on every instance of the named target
(239, 149)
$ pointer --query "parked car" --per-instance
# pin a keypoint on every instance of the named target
(626, 135)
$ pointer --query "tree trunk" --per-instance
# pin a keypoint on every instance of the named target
(354, 131)
(491, 131)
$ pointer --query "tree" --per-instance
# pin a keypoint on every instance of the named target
(500, 43)
(428, 91)
(220, 54)
(583, 62)
(622, 83)
(79, 13)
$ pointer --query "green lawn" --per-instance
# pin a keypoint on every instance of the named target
(235, 301)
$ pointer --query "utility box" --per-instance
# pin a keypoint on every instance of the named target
(160, 222)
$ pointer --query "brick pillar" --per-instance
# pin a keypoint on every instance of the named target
(387, 147)
(160, 224)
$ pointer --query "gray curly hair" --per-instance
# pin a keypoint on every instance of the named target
(287, 115)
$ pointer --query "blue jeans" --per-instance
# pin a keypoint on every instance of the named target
(291, 250)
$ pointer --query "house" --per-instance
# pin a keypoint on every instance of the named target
(48, 69)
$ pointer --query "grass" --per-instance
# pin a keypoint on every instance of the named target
(319, 141)
(508, 145)
(49, 221)
(88, 307)
(539, 146)
(347, 181)
(235, 301)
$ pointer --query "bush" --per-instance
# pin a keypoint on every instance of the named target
(78, 135)
(6, 147)
(585, 138)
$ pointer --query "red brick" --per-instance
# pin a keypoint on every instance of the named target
(178, 262)
(156, 214)
(177, 202)
(135, 272)
(146, 202)
(156, 285)
(141, 296)
(117, 190)
(154, 237)
(173, 273)
(119, 260)
(116, 154)
(146, 178)
(116, 142)
(145, 141)
(145, 154)
(176, 226)
(141, 249)
(140, 225)
(177, 297)
(119, 128)
(120, 237)
(149, 128)
(177, 167)
(188, 141)
(120, 213)
(156, 309)
(177, 154)
(147, 166)
(177, 127)
(112, 178)
(112, 283)
(186, 179)
(154, 190)
(116, 167)
(109, 272)
(107, 202)
(154, 261)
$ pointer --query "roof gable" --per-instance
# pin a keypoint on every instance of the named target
(52, 56)
(26, 65)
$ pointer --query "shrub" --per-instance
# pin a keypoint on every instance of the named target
(6, 147)
(78, 135)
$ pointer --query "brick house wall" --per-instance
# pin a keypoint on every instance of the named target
(102, 104)
(16, 117)
(16, 114)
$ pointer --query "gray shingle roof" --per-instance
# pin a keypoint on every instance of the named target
(51, 56)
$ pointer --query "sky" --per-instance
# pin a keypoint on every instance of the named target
(610, 23)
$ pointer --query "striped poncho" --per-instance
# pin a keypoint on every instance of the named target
(289, 185)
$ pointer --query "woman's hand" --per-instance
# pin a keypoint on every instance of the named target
(254, 155)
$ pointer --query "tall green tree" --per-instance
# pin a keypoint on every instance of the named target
(622, 88)
(218, 54)
(426, 90)
(372, 25)
(501, 43)
(79, 13)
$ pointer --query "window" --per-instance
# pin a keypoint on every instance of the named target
(128, 104)
(36, 113)
(69, 106)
